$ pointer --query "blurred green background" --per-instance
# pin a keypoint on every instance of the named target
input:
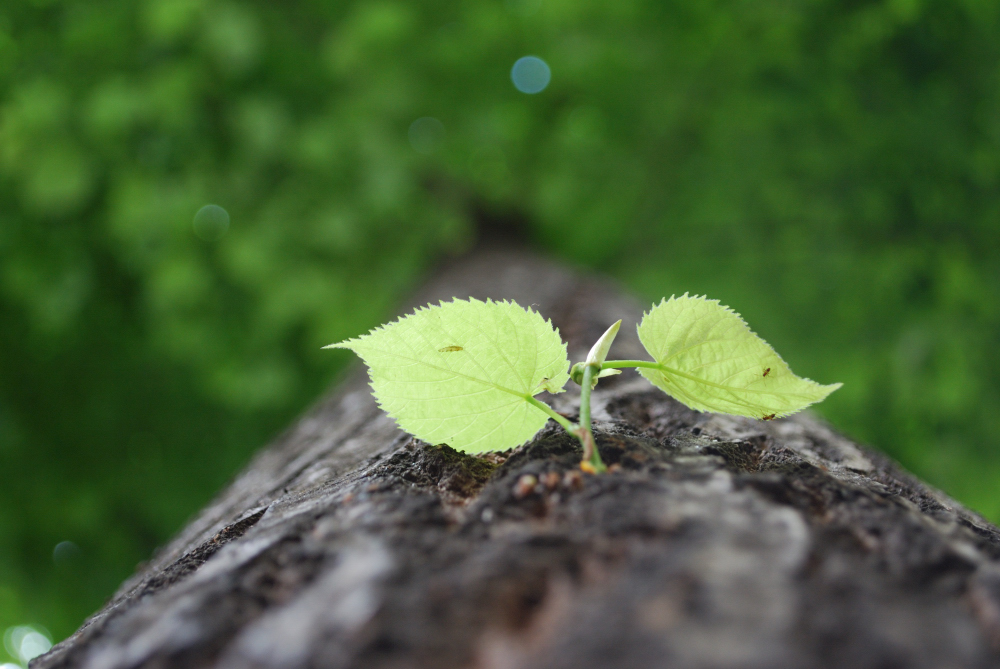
(829, 168)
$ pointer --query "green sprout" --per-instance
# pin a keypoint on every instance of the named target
(466, 372)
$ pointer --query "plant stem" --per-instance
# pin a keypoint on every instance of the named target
(585, 388)
(620, 364)
(551, 413)
(584, 433)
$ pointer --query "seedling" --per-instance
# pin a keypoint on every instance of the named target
(466, 372)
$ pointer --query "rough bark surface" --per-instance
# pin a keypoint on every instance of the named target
(716, 542)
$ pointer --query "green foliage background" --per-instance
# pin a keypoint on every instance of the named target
(829, 168)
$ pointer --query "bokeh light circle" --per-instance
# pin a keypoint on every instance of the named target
(426, 134)
(211, 222)
(65, 552)
(26, 642)
(523, 8)
(530, 74)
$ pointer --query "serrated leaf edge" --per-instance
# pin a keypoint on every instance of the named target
(669, 370)
(347, 344)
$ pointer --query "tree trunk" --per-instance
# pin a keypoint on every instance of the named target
(716, 542)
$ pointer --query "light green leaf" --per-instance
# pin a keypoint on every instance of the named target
(711, 361)
(463, 373)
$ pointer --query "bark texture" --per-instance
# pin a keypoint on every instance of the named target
(716, 542)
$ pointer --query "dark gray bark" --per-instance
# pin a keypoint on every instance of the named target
(716, 542)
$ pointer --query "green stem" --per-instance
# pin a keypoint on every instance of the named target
(551, 413)
(620, 364)
(585, 435)
(585, 388)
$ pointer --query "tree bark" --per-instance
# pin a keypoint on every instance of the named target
(715, 542)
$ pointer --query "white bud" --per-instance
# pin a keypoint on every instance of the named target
(600, 350)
